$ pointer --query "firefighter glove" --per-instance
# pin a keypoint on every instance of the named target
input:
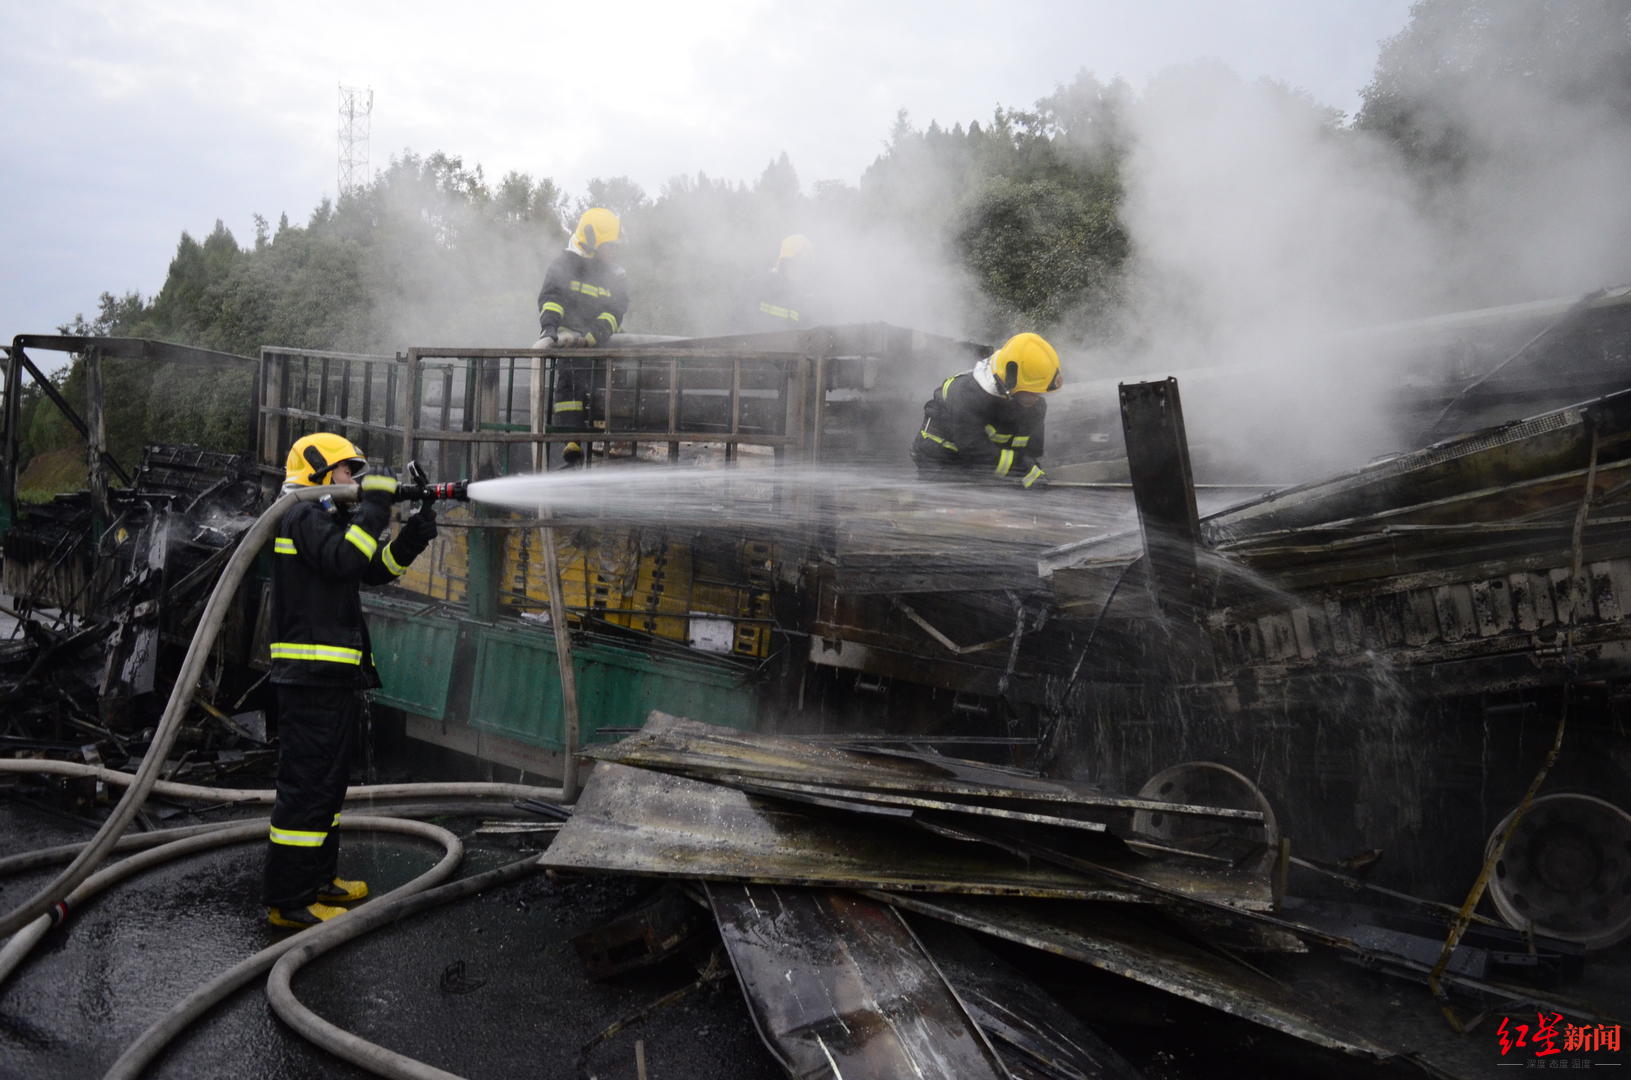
(545, 341)
(567, 339)
(420, 529)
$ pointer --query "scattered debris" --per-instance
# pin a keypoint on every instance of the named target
(1078, 892)
(1485, 952)
(649, 934)
(837, 985)
(103, 608)
(454, 980)
(1037, 1038)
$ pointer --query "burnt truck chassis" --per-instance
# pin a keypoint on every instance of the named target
(1385, 655)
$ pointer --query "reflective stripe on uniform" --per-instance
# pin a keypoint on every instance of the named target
(334, 654)
(611, 320)
(1033, 476)
(358, 537)
(297, 837)
(927, 434)
(283, 545)
(996, 436)
(396, 568)
(336, 820)
(588, 290)
(552, 306)
(568, 406)
(778, 312)
(1005, 461)
(1021, 441)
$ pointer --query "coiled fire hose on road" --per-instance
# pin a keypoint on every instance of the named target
(139, 1054)
(336, 1040)
(267, 796)
(33, 860)
(27, 923)
(23, 941)
(181, 695)
(146, 777)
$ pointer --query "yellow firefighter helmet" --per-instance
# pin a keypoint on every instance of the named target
(793, 247)
(1028, 364)
(597, 226)
(312, 459)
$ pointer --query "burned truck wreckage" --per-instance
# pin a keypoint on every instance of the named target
(1324, 778)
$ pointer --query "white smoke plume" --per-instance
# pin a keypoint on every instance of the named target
(1263, 229)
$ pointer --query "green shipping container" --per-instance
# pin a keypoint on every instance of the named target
(504, 678)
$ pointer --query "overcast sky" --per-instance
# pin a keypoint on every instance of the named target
(125, 123)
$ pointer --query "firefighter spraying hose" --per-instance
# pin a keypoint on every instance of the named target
(265, 528)
(323, 662)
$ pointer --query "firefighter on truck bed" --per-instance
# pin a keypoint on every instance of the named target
(988, 422)
(778, 299)
(582, 304)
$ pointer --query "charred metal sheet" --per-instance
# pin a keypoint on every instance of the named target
(1115, 940)
(647, 935)
(1486, 617)
(1152, 416)
(1035, 1036)
(1180, 876)
(705, 751)
(635, 821)
(1544, 445)
(1484, 951)
(132, 659)
(849, 798)
(838, 987)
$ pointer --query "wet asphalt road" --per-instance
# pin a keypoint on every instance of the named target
(525, 1008)
(521, 1006)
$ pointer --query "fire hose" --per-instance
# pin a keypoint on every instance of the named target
(192, 668)
(336, 1040)
(29, 922)
(139, 1054)
(426, 790)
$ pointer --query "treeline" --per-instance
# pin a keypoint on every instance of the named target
(1012, 223)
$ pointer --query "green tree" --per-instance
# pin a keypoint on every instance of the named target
(1450, 89)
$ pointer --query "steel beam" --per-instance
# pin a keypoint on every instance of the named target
(61, 403)
(1152, 418)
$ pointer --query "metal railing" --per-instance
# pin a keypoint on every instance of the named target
(352, 394)
(485, 412)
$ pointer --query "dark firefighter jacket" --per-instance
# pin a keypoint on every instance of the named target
(319, 560)
(587, 296)
(774, 303)
(967, 429)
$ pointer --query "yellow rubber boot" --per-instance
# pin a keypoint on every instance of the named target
(341, 891)
(300, 918)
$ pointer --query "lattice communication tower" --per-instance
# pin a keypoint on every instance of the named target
(356, 106)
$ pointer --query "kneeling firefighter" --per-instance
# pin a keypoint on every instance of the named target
(321, 664)
(582, 303)
(988, 422)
